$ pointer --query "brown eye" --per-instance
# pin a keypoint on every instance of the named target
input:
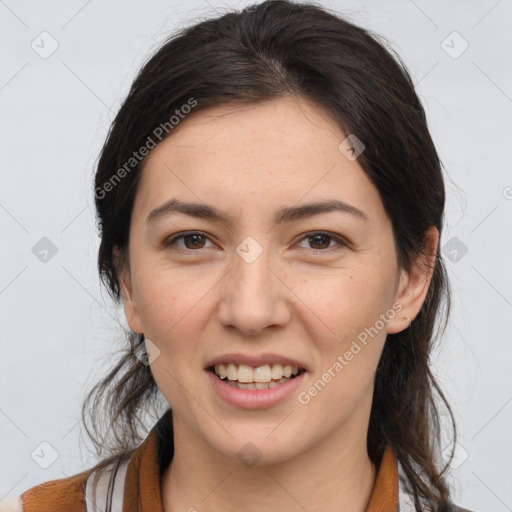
(196, 241)
(192, 241)
(320, 241)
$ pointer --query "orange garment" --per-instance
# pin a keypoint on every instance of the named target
(142, 485)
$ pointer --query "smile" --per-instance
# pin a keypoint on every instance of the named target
(266, 376)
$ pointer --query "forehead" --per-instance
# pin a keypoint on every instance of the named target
(280, 150)
(287, 118)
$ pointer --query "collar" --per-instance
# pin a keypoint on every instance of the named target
(142, 491)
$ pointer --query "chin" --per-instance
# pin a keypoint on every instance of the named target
(253, 445)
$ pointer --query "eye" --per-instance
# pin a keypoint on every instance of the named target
(193, 240)
(323, 240)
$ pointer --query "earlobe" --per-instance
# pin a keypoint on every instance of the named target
(128, 297)
(413, 285)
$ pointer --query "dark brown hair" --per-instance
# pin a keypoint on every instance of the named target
(266, 51)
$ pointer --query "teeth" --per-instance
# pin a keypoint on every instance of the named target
(277, 371)
(245, 373)
(256, 385)
(231, 372)
(261, 375)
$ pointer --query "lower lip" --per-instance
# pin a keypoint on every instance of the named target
(254, 398)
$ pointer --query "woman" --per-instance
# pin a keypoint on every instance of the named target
(270, 205)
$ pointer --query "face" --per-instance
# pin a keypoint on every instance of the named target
(319, 288)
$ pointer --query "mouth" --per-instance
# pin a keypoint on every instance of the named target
(261, 377)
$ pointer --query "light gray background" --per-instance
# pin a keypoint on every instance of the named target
(59, 326)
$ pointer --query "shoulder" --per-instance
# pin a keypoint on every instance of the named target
(62, 495)
(81, 492)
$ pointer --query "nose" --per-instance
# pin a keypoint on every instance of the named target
(254, 296)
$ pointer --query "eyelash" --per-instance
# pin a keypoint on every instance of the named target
(339, 240)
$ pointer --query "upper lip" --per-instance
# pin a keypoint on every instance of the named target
(255, 360)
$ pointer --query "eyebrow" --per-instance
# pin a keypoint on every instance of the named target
(288, 214)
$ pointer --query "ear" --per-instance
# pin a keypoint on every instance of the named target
(125, 285)
(413, 285)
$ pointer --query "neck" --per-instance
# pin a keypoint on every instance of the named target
(330, 473)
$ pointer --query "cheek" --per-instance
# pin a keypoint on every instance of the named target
(167, 298)
(345, 302)
(345, 327)
(171, 382)
(172, 322)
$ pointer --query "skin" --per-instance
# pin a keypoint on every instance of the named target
(303, 297)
